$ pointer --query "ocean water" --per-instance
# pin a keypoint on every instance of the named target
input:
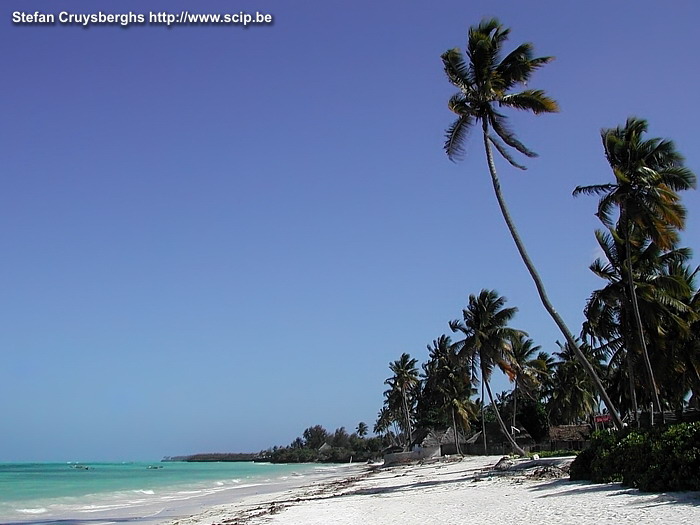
(46, 493)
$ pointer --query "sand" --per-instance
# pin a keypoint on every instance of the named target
(467, 491)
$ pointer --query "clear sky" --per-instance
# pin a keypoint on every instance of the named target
(215, 237)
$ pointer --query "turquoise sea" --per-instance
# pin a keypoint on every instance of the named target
(66, 493)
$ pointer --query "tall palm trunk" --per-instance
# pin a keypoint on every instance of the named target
(454, 428)
(626, 323)
(633, 391)
(540, 286)
(638, 318)
(513, 444)
(408, 422)
(515, 401)
(483, 418)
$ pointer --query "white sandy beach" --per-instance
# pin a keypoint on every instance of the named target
(455, 492)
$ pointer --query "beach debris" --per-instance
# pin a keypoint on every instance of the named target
(548, 472)
(504, 463)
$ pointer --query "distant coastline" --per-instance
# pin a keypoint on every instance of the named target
(213, 457)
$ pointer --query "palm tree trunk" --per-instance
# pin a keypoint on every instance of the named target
(633, 391)
(513, 444)
(483, 418)
(628, 335)
(638, 321)
(454, 428)
(408, 422)
(515, 401)
(540, 286)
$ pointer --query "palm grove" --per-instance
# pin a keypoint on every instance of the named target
(638, 351)
(639, 348)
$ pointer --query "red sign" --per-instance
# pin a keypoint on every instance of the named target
(605, 418)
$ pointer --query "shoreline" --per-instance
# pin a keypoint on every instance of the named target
(455, 491)
(145, 503)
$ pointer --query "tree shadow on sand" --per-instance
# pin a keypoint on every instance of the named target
(615, 489)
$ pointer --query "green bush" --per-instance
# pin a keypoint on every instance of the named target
(659, 459)
(597, 462)
(675, 460)
(632, 457)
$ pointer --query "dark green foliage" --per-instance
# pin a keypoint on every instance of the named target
(583, 468)
(651, 460)
(340, 447)
(315, 437)
(675, 460)
(339, 439)
(533, 417)
(214, 457)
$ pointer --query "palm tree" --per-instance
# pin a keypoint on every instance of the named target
(610, 314)
(362, 429)
(648, 174)
(485, 83)
(384, 420)
(447, 385)
(526, 368)
(686, 356)
(402, 386)
(486, 343)
(573, 398)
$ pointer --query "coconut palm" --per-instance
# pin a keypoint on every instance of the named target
(648, 174)
(675, 337)
(362, 429)
(687, 358)
(485, 83)
(610, 313)
(384, 421)
(573, 397)
(526, 369)
(402, 386)
(447, 387)
(486, 343)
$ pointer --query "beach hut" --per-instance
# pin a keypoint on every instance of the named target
(569, 437)
(447, 442)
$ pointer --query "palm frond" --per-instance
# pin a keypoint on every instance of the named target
(456, 69)
(519, 64)
(498, 124)
(504, 152)
(595, 189)
(456, 136)
(534, 100)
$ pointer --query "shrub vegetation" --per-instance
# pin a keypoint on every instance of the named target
(657, 459)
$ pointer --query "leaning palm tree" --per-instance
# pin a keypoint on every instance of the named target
(485, 85)
(487, 343)
(648, 173)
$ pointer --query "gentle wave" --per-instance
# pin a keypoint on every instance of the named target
(56, 491)
(40, 510)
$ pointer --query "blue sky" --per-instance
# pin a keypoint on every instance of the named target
(215, 237)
